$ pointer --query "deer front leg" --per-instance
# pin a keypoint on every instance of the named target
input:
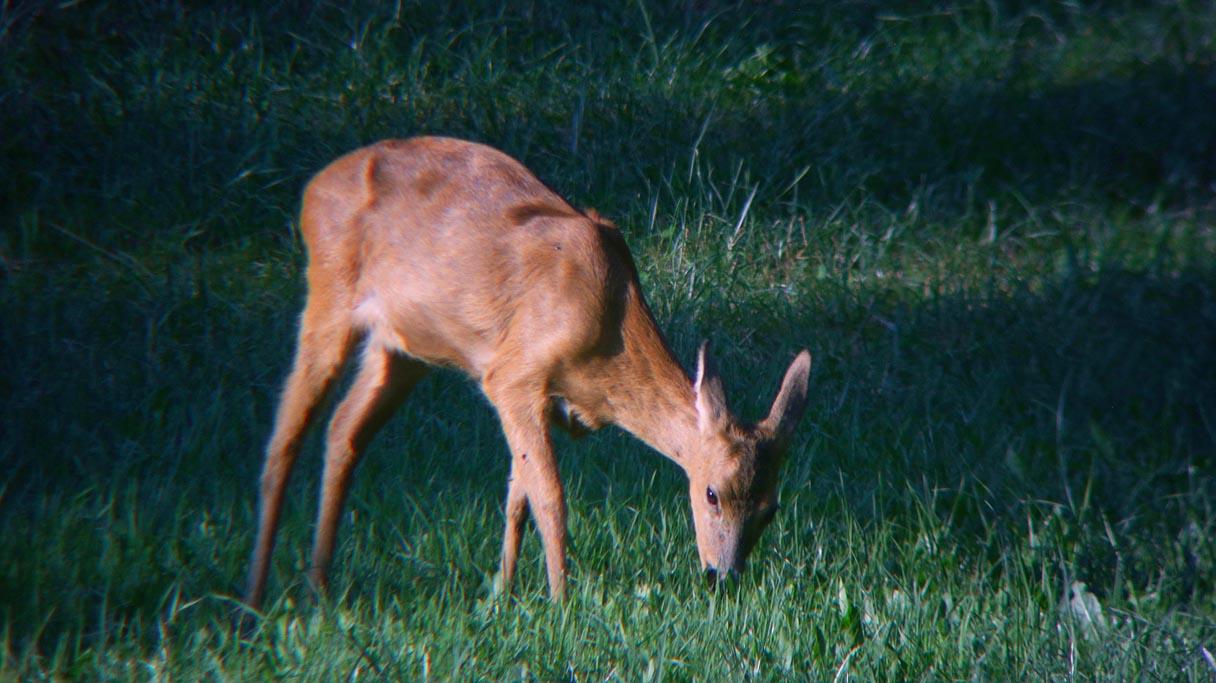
(517, 514)
(534, 470)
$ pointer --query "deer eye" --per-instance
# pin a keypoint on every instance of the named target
(712, 496)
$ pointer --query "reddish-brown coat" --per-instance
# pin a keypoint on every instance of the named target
(435, 251)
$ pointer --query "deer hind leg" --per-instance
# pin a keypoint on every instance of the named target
(324, 342)
(383, 382)
(534, 478)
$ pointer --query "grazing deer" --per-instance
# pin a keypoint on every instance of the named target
(435, 251)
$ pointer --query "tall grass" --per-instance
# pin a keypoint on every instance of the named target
(990, 222)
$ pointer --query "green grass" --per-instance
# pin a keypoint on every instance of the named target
(991, 223)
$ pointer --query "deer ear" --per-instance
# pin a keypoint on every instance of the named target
(707, 388)
(787, 408)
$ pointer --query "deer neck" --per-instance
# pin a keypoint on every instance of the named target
(651, 396)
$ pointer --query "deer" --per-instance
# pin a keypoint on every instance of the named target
(434, 251)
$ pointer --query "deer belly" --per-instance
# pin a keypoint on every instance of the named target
(412, 330)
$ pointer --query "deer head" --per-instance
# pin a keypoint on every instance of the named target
(732, 476)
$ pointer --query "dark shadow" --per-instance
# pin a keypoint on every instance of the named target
(222, 159)
(1092, 397)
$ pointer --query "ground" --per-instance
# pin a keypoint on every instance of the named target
(990, 222)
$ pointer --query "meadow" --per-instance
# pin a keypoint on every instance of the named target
(992, 224)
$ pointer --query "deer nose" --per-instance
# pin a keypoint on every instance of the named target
(715, 577)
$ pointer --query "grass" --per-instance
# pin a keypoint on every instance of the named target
(991, 223)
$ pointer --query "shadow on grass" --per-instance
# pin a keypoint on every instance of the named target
(1091, 399)
(223, 156)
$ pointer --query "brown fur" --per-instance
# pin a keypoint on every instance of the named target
(440, 251)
